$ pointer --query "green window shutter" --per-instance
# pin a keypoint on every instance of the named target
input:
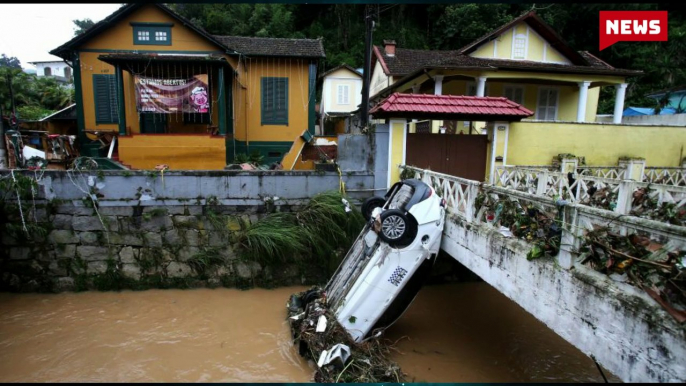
(105, 96)
(274, 104)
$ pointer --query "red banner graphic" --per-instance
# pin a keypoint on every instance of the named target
(172, 95)
(632, 26)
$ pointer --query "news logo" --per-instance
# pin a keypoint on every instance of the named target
(632, 26)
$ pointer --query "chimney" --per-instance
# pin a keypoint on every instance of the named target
(389, 47)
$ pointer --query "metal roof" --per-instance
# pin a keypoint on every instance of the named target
(450, 107)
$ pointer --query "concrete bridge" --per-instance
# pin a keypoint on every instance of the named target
(618, 324)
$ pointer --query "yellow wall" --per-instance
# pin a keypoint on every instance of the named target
(180, 152)
(535, 143)
(397, 149)
(297, 70)
(342, 77)
(379, 80)
(538, 49)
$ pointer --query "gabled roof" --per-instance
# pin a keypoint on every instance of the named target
(407, 61)
(234, 45)
(540, 26)
(399, 105)
(349, 68)
(305, 48)
(63, 50)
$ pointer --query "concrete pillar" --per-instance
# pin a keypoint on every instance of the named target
(415, 89)
(438, 88)
(635, 169)
(480, 86)
(583, 98)
(619, 102)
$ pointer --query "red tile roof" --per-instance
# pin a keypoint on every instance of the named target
(449, 107)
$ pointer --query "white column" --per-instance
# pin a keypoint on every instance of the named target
(583, 98)
(415, 89)
(480, 86)
(438, 89)
(619, 102)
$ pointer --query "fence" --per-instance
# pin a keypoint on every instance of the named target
(538, 187)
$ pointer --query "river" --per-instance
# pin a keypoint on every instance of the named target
(464, 332)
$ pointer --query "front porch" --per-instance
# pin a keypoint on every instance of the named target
(160, 124)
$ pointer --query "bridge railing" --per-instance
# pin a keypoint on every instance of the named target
(466, 199)
(459, 193)
(665, 175)
(621, 196)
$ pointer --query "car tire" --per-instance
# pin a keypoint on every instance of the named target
(370, 204)
(397, 229)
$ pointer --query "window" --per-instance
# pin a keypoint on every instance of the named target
(199, 118)
(105, 96)
(152, 33)
(67, 73)
(514, 93)
(274, 101)
(343, 94)
(519, 47)
(547, 104)
(47, 71)
(471, 89)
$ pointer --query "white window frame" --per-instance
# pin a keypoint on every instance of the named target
(514, 88)
(515, 35)
(557, 102)
(473, 84)
(345, 94)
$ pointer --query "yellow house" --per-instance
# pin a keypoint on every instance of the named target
(527, 62)
(524, 60)
(179, 96)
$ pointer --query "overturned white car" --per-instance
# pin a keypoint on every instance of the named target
(387, 264)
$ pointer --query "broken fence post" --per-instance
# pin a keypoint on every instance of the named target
(569, 242)
(542, 185)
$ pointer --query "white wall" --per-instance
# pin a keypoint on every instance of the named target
(628, 332)
(57, 68)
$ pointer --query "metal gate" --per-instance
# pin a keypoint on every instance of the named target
(458, 155)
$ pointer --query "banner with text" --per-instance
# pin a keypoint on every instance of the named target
(167, 96)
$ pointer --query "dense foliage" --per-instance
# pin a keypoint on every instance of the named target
(34, 97)
(451, 26)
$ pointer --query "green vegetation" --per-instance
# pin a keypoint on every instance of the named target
(312, 234)
(452, 26)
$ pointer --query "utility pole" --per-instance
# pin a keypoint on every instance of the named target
(369, 26)
(3, 153)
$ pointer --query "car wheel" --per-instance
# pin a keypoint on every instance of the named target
(396, 228)
(370, 204)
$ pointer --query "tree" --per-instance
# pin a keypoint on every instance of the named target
(9, 61)
(82, 26)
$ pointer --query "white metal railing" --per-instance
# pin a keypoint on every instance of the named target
(615, 172)
(461, 198)
(665, 175)
(580, 188)
(459, 193)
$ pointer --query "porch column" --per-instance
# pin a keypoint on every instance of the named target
(438, 88)
(121, 107)
(222, 102)
(480, 86)
(583, 98)
(619, 102)
(415, 89)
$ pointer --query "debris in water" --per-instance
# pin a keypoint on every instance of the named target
(338, 357)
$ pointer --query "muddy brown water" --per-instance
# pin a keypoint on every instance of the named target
(451, 333)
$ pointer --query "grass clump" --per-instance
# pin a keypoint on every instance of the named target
(319, 229)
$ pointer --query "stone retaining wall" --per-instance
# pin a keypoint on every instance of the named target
(153, 232)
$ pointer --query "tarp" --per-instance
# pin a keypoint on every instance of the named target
(633, 111)
(159, 95)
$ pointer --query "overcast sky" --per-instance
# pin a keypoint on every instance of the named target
(29, 31)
